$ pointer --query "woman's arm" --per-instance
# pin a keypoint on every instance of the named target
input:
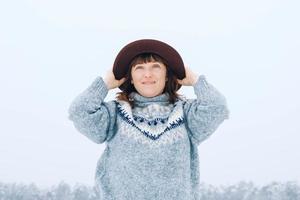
(205, 113)
(92, 116)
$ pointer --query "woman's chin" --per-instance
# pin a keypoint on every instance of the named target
(149, 94)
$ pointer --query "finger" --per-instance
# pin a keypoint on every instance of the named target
(123, 80)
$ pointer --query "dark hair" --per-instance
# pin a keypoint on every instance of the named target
(171, 85)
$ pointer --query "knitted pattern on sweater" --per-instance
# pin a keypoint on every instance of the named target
(153, 132)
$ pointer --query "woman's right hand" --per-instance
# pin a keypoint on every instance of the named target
(111, 81)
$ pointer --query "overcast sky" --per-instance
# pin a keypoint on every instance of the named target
(50, 51)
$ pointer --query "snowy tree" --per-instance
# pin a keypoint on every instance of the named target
(95, 194)
(2, 191)
(242, 190)
(62, 192)
(208, 192)
(80, 192)
(31, 192)
(15, 191)
(292, 191)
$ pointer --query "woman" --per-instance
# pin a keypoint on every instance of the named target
(151, 132)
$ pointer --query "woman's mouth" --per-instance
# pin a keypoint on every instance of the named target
(148, 82)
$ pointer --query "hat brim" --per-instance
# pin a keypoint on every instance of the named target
(133, 49)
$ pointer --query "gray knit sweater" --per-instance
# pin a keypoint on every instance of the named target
(151, 150)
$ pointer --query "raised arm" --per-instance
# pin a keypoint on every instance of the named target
(207, 112)
(91, 115)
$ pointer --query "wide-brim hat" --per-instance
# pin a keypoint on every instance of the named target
(133, 49)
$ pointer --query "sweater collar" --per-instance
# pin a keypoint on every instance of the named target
(141, 100)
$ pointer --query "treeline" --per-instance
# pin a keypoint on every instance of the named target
(240, 191)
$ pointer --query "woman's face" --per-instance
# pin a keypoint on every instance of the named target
(149, 79)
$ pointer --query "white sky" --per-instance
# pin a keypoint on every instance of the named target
(52, 50)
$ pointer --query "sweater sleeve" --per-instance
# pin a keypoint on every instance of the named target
(206, 113)
(91, 116)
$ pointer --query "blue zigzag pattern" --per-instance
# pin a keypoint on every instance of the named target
(125, 116)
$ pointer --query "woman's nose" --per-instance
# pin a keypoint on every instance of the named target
(148, 73)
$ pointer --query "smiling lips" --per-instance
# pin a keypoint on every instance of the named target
(148, 82)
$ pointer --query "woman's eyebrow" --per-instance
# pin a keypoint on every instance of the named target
(154, 65)
(137, 66)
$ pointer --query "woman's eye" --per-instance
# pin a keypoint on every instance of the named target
(138, 67)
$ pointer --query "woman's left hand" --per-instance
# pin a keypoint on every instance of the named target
(190, 77)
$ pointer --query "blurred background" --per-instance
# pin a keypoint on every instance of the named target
(50, 51)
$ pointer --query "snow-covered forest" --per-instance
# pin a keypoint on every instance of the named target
(240, 191)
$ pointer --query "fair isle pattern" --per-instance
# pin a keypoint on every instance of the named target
(154, 121)
(153, 110)
(155, 131)
(169, 137)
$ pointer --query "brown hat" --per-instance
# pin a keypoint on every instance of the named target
(131, 50)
